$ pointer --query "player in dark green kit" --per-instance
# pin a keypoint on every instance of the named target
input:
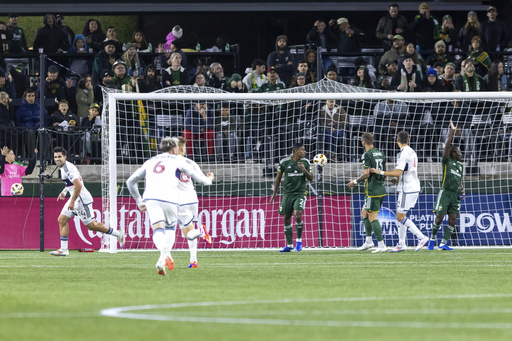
(296, 170)
(448, 199)
(375, 191)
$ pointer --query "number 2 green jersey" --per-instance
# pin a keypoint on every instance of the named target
(452, 174)
(374, 186)
(294, 178)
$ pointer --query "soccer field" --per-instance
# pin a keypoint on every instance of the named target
(258, 295)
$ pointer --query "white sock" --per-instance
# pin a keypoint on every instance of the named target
(64, 243)
(113, 232)
(369, 240)
(170, 238)
(414, 229)
(193, 234)
(159, 240)
(402, 232)
(381, 244)
(192, 247)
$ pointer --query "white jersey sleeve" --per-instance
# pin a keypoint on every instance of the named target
(187, 192)
(407, 161)
(132, 182)
(69, 173)
(194, 172)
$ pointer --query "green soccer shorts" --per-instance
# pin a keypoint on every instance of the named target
(373, 204)
(447, 202)
(292, 203)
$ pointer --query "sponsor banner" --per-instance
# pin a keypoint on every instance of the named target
(483, 220)
(233, 222)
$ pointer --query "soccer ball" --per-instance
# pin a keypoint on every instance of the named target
(17, 189)
(320, 160)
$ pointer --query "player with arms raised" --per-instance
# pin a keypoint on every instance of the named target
(448, 199)
(296, 170)
(160, 197)
(375, 191)
(406, 174)
(79, 204)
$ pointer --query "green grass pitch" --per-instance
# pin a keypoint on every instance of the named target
(258, 295)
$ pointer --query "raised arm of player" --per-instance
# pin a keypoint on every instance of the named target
(352, 183)
(307, 174)
(131, 183)
(277, 181)
(448, 145)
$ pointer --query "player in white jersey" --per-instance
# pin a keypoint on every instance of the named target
(406, 174)
(161, 195)
(79, 203)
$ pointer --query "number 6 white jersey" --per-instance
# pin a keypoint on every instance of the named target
(186, 191)
(407, 161)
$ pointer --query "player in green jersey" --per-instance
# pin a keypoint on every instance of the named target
(448, 199)
(375, 191)
(296, 170)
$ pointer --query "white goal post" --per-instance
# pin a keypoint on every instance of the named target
(236, 210)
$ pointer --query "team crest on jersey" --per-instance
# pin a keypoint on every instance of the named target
(184, 177)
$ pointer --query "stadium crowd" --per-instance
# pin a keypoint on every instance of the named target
(421, 53)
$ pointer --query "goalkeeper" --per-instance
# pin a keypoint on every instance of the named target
(448, 199)
(375, 191)
(296, 170)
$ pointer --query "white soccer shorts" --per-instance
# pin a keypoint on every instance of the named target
(406, 201)
(161, 211)
(187, 214)
(84, 212)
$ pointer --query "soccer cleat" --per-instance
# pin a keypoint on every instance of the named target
(286, 249)
(398, 248)
(298, 246)
(431, 245)
(445, 247)
(366, 246)
(160, 266)
(60, 252)
(169, 262)
(122, 239)
(380, 249)
(193, 265)
(421, 243)
(207, 238)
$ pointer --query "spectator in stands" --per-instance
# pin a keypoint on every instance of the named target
(431, 83)
(105, 81)
(496, 80)
(150, 82)
(7, 116)
(302, 67)
(300, 79)
(407, 79)
(111, 35)
(199, 79)
(84, 97)
(282, 60)
(93, 124)
(255, 75)
(59, 23)
(62, 118)
(121, 79)
(470, 80)
(216, 76)
(448, 34)
(55, 86)
(6, 86)
(175, 74)
(348, 39)
(480, 57)
(319, 37)
(94, 36)
(362, 78)
(439, 68)
(448, 77)
(70, 93)
(226, 130)
(175, 34)
(425, 29)
(468, 31)
(234, 84)
(274, 83)
(416, 57)
(391, 25)
(79, 65)
(310, 57)
(18, 43)
(28, 116)
(439, 56)
(332, 73)
(5, 37)
(104, 59)
(393, 53)
(165, 57)
(12, 171)
(494, 32)
(139, 41)
(389, 118)
(50, 38)
(18, 79)
(333, 120)
(199, 127)
(134, 65)
(384, 80)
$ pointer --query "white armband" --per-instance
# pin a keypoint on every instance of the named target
(382, 172)
(355, 182)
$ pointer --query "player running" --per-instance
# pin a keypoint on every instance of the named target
(448, 199)
(79, 204)
(406, 174)
(375, 191)
(296, 170)
(161, 193)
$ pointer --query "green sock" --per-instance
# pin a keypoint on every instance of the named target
(435, 228)
(288, 232)
(299, 227)
(447, 234)
(375, 225)
(367, 227)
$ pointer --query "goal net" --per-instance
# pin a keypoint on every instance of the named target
(242, 137)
